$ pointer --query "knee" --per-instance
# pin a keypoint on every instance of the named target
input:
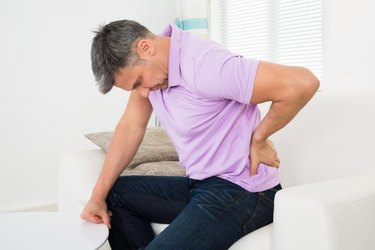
(119, 192)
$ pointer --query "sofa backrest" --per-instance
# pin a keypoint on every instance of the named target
(331, 137)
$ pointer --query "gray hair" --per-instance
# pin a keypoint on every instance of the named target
(113, 48)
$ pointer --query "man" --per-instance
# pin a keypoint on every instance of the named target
(205, 98)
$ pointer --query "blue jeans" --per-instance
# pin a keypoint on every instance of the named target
(208, 214)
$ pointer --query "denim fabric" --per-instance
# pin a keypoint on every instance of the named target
(206, 214)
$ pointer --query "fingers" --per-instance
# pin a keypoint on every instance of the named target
(97, 217)
(91, 217)
(105, 217)
(269, 155)
(274, 163)
(84, 215)
(253, 171)
(277, 161)
(254, 166)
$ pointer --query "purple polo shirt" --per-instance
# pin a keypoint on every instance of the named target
(206, 112)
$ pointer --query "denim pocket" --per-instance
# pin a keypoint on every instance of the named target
(263, 211)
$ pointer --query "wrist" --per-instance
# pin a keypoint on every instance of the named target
(98, 194)
(258, 138)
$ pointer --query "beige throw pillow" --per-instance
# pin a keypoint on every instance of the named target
(155, 147)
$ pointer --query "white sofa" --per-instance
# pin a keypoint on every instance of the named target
(327, 171)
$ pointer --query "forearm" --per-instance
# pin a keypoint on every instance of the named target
(282, 111)
(279, 114)
(289, 89)
(124, 146)
(128, 136)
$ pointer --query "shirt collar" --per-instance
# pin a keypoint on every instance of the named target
(174, 74)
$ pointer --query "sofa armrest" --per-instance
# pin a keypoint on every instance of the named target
(330, 215)
(77, 175)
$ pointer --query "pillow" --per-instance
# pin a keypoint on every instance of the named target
(155, 146)
(163, 168)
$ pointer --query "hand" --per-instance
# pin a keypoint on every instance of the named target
(96, 212)
(262, 152)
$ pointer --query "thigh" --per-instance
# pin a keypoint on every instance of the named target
(154, 198)
(219, 214)
(213, 219)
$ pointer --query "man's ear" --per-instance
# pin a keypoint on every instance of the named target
(145, 48)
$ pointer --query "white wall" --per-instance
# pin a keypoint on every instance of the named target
(349, 51)
(48, 98)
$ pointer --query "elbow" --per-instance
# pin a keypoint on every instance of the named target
(307, 84)
(312, 82)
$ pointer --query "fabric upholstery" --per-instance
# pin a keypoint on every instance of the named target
(156, 154)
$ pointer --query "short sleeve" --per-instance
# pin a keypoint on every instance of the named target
(221, 74)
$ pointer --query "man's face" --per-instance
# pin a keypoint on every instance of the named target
(144, 77)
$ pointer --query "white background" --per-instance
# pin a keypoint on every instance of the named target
(48, 98)
(349, 52)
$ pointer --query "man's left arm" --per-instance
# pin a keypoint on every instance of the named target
(289, 88)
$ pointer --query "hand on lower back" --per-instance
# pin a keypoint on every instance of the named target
(96, 212)
(262, 152)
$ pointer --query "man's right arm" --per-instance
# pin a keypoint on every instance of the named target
(127, 137)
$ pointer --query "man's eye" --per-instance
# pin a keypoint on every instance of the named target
(137, 83)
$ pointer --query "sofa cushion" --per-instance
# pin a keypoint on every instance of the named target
(155, 146)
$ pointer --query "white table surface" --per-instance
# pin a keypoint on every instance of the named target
(49, 231)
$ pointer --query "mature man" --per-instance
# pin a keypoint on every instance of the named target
(205, 98)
